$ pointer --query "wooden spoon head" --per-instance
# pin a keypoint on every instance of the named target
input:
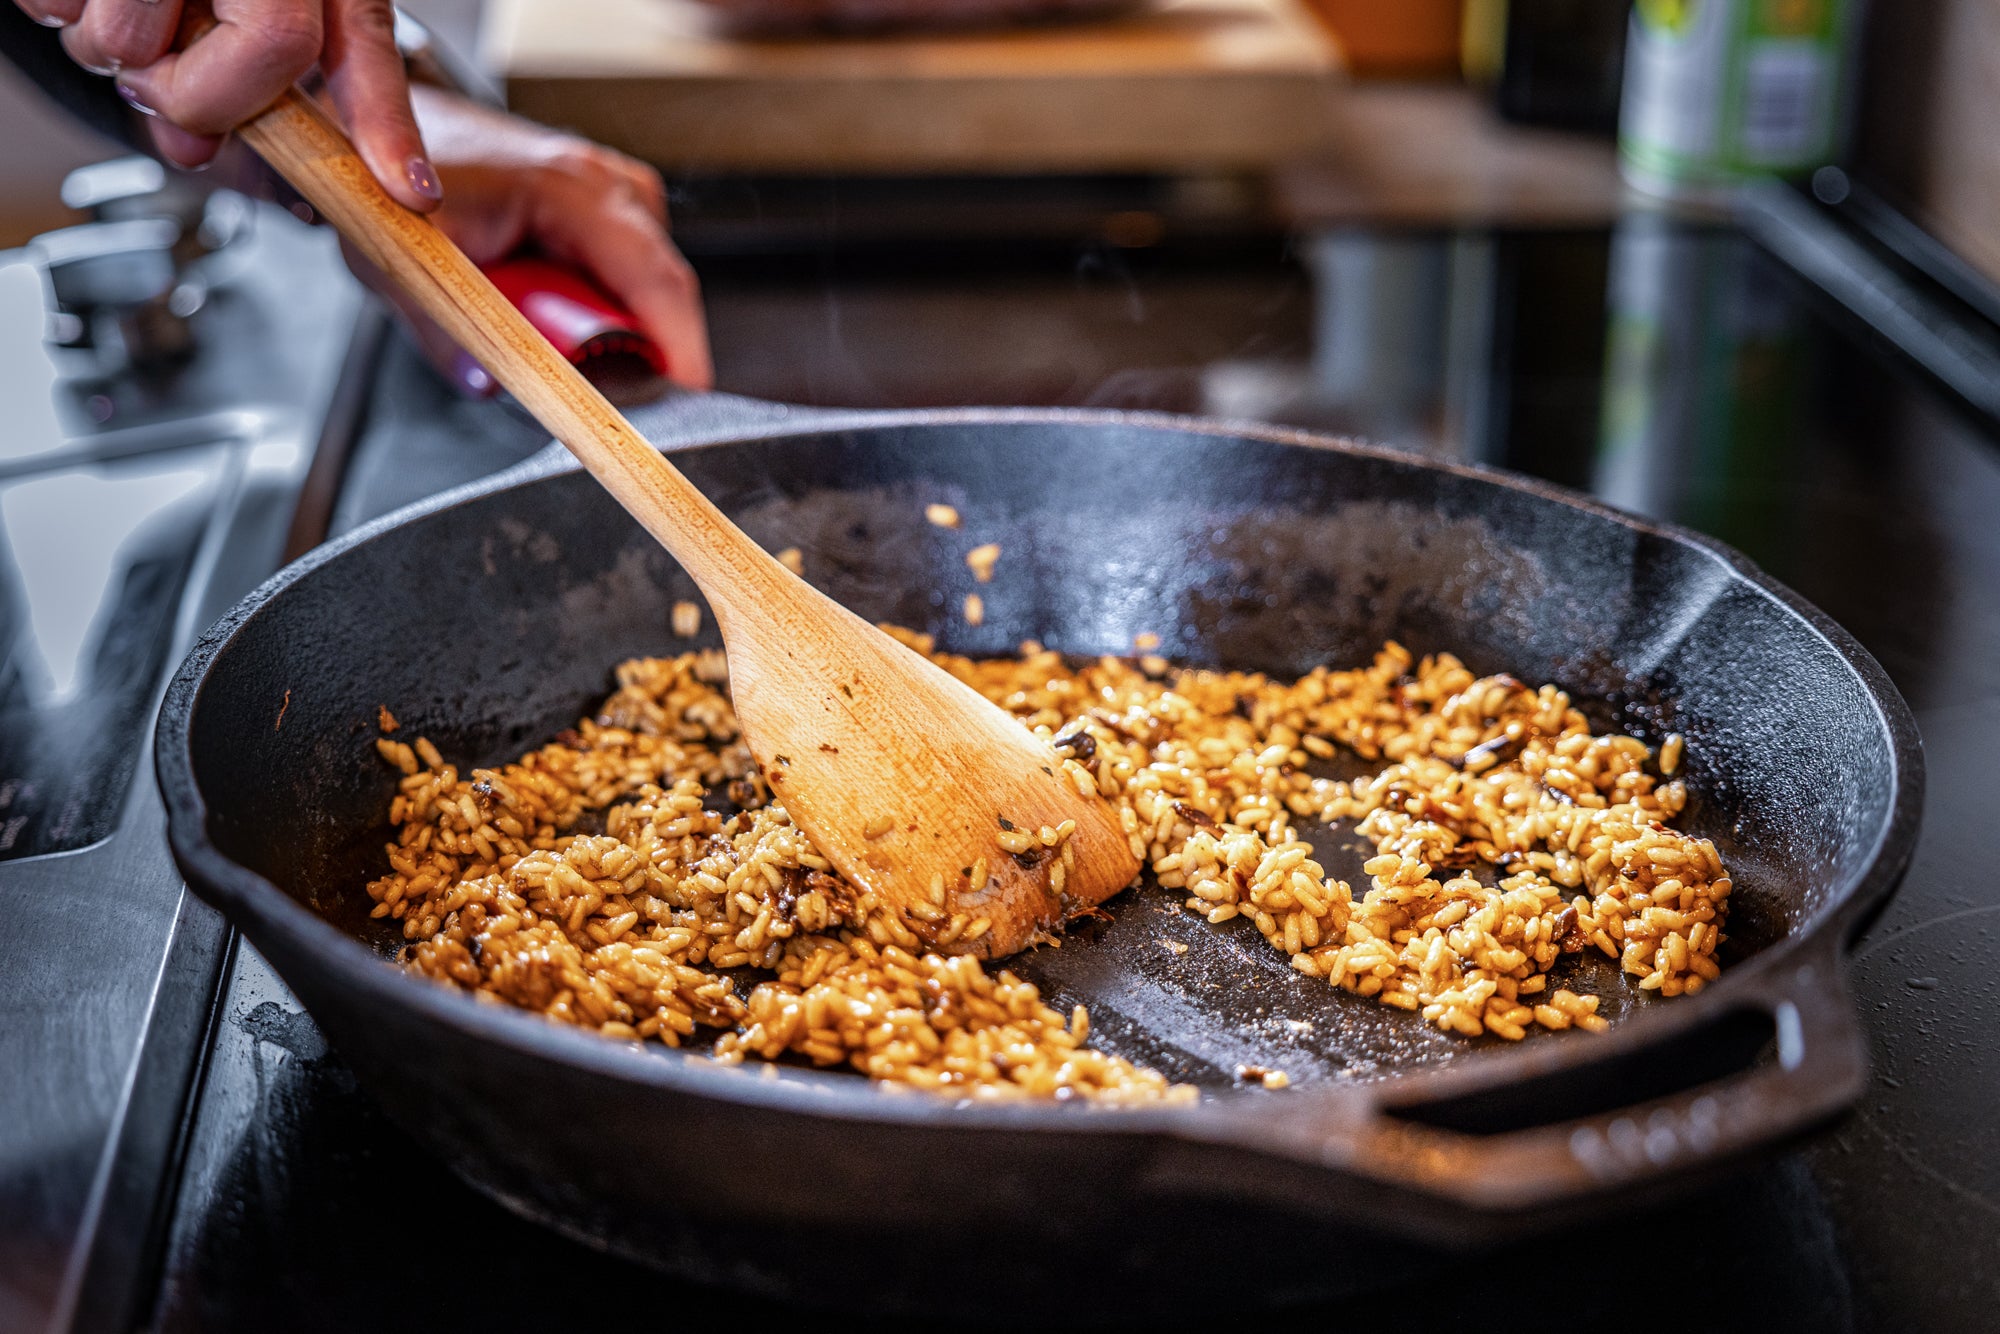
(906, 779)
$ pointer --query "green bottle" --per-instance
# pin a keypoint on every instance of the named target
(1718, 92)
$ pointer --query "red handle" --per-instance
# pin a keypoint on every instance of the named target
(584, 322)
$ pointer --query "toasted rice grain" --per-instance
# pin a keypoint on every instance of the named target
(982, 560)
(627, 931)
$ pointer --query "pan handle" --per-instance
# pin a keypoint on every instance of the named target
(1816, 1066)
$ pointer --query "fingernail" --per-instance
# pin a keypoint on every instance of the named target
(107, 69)
(472, 376)
(132, 100)
(423, 180)
(52, 20)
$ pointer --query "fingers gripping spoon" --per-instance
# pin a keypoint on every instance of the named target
(853, 731)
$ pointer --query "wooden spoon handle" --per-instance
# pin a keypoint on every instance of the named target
(303, 144)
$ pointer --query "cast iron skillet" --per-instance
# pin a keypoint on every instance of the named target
(489, 618)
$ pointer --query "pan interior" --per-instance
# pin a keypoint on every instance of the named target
(490, 625)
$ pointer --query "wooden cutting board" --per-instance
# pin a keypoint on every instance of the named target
(1185, 85)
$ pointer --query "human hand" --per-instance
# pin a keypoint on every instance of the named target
(198, 88)
(511, 184)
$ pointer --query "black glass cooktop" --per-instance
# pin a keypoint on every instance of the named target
(1679, 371)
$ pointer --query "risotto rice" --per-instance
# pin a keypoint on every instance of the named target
(594, 882)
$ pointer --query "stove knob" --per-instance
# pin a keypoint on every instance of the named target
(128, 281)
(129, 188)
(119, 278)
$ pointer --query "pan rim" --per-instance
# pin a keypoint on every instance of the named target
(256, 904)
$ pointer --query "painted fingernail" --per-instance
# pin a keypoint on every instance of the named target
(423, 179)
(471, 376)
(132, 100)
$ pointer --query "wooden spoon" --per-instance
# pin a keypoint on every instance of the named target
(853, 731)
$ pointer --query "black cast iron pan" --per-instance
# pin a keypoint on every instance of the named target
(490, 617)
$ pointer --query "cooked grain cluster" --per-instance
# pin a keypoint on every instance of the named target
(592, 882)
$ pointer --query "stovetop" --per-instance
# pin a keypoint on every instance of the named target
(1678, 370)
(135, 507)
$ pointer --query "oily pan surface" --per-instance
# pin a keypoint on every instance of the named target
(1254, 555)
